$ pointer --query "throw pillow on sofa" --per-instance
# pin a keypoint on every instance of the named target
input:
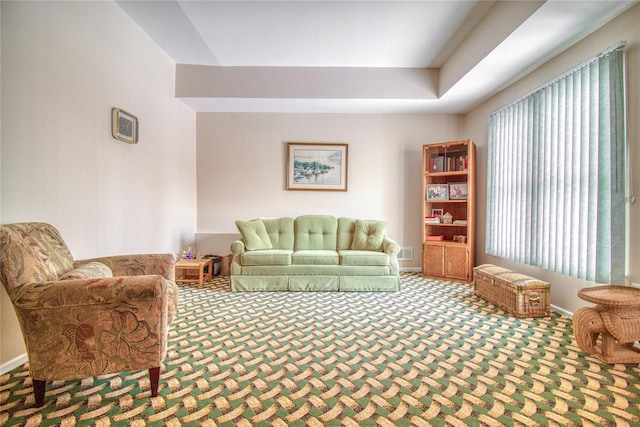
(254, 234)
(369, 235)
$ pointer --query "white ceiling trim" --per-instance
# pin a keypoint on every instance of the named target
(479, 47)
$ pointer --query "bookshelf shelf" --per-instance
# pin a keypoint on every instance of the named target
(448, 189)
(446, 225)
(455, 173)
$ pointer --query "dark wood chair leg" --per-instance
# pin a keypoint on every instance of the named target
(154, 377)
(39, 387)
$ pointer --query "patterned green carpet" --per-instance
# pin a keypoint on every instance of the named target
(432, 354)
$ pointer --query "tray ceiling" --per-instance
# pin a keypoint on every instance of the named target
(457, 52)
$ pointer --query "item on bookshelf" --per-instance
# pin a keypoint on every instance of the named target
(447, 218)
(458, 191)
(460, 221)
(432, 220)
(448, 163)
(436, 237)
(438, 213)
(460, 239)
(437, 192)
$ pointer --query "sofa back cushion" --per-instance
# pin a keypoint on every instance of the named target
(346, 228)
(31, 252)
(280, 231)
(316, 232)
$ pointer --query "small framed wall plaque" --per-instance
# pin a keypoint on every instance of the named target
(124, 126)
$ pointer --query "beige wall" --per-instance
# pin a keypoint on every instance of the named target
(242, 163)
(564, 289)
(64, 66)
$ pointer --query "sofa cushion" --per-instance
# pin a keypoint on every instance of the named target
(346, 228)
(315, 270)
(369, 235)
(267, 257)
(90, 270)
(280, 231)
(316, 232)
(363, 258)
(315, 257)
(254, 234)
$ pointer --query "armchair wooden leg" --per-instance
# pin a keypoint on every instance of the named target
(154, 378)
(39, 387)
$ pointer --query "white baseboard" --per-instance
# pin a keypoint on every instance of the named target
(14, 363)
(411, 269)
(562, 311)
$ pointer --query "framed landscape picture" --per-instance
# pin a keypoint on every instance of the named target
(318, 167)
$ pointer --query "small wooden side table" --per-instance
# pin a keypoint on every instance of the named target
(616, 318)
(193, 270)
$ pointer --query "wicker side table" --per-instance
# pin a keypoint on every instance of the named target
(193, 270)
(616, 318)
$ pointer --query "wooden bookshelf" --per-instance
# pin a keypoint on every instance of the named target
(448, 187)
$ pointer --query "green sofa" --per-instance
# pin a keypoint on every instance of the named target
(314, 253)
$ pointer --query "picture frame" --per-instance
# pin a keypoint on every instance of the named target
(437, 213)
(124, 126)
(317, 166)
(437, 192)
(458, 191)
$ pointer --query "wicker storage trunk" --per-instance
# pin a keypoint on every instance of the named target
(515, 293)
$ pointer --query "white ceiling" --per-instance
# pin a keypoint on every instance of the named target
(477, 47)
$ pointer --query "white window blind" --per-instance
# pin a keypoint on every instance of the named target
(556, 174)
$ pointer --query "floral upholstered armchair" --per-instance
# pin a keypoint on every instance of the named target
(86, 318)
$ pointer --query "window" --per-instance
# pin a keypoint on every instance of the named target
(556, 174)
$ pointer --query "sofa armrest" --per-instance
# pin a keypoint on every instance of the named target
(90, 327)
(137, 264)
(238, 247)
(390, 246)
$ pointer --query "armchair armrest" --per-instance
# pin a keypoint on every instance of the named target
(83, 292)
(90, 327)
(137, 264)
